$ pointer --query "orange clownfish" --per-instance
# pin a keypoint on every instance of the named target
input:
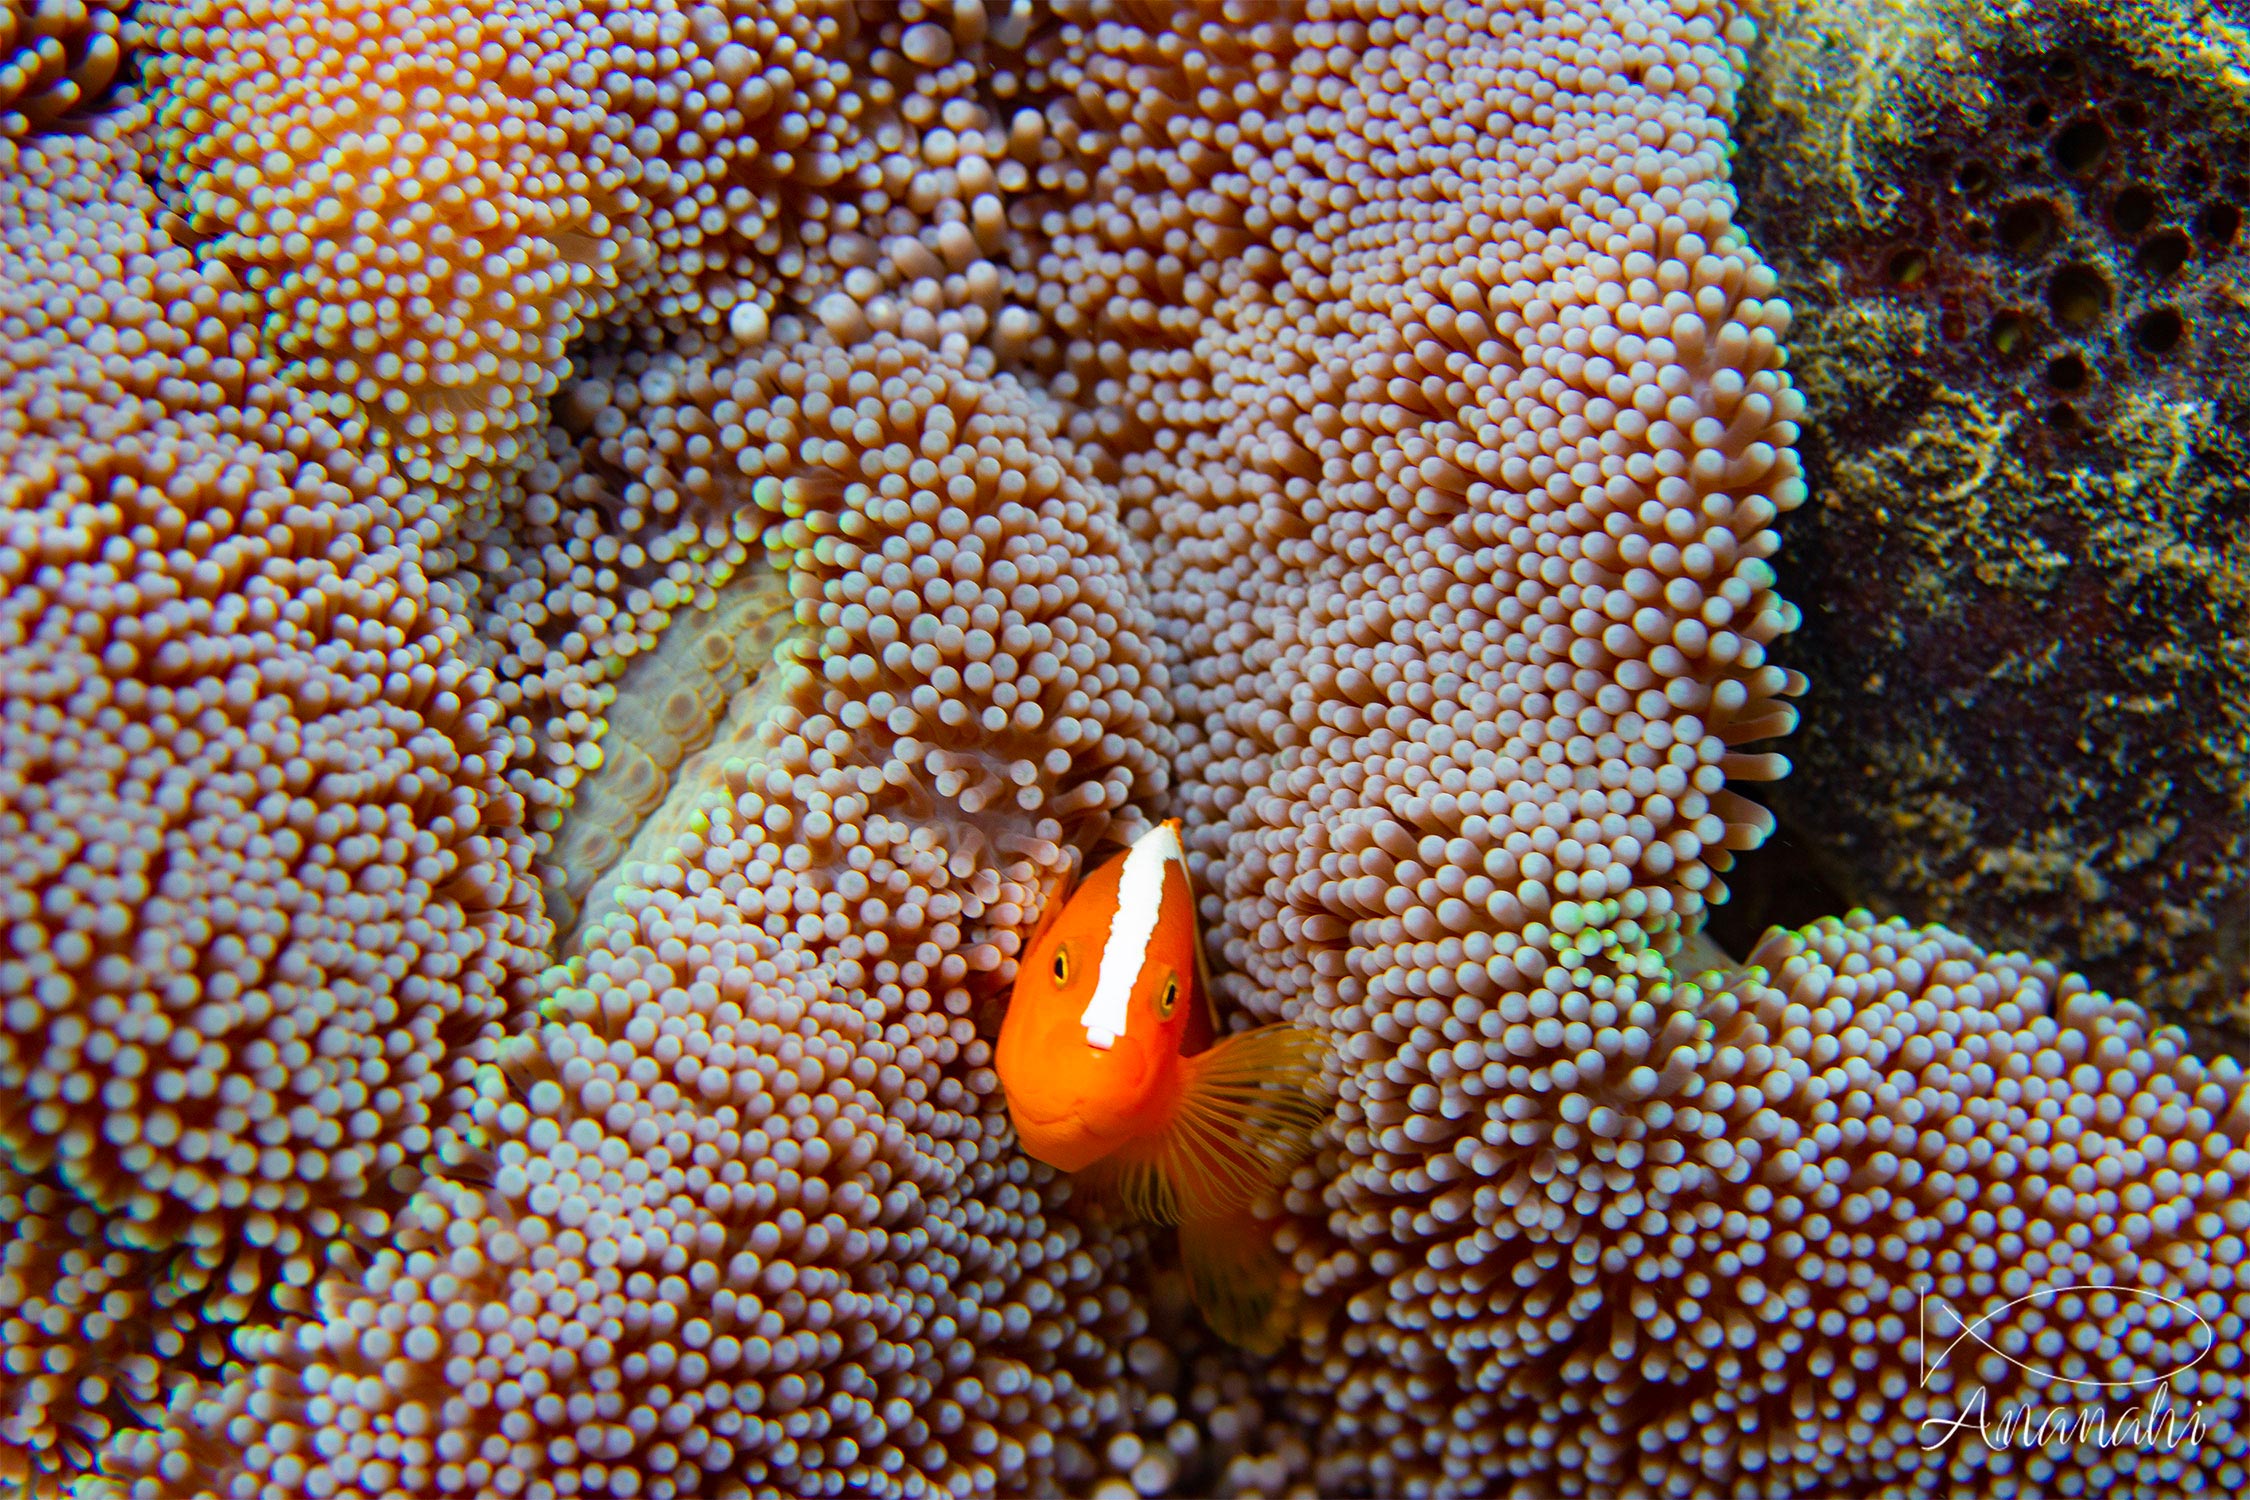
(1110, 1069)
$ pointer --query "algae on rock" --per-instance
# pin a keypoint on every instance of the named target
(2013, 235)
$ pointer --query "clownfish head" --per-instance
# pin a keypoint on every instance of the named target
(1089, 1053)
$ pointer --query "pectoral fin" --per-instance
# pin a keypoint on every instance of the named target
(1247, 1111)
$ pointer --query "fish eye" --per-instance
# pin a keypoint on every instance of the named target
(1168, 1000)
(1062, 966)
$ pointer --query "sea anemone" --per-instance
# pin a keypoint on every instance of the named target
(1357, 433)
(57, 60)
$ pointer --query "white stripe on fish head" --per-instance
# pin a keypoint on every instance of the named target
(1140, 899)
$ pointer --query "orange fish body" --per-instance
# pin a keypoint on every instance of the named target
(1110, 1070)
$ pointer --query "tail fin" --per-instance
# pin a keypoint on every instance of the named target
(1245, 1291)
(1247, 1111)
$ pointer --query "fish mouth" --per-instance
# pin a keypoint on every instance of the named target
(1030, 1115)
(1047, 1112)
(1055, 1129)
(1071, 1103)
(1063, 1141)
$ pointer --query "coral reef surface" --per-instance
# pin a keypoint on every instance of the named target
(2014, 239)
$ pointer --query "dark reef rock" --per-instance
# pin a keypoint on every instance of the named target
(2015, 239)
